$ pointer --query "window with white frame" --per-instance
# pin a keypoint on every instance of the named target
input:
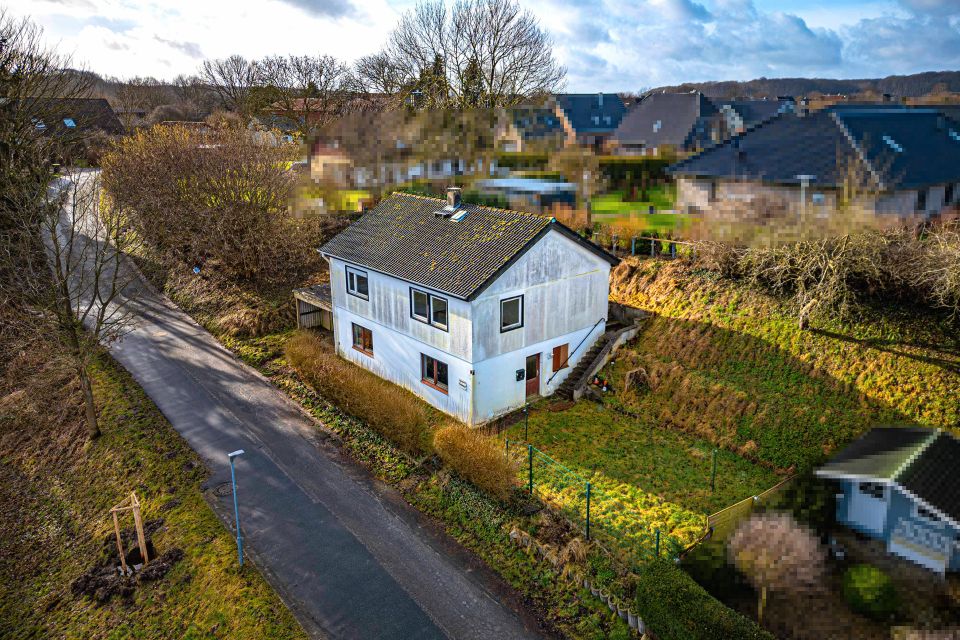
(438, 312)
(511, 313)
(357, 283)
(924, 513)
(429, 309)
(420, 305)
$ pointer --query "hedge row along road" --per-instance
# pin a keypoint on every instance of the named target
(345, 553)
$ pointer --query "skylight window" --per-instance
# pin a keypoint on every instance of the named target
(69, 123)
(893, 144)
(657, 125)
(955, 135)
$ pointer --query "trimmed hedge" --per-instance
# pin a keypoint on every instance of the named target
(521, 160)
(675, 607)
(617, 168)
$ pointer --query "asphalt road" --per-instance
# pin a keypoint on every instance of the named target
(346, 554)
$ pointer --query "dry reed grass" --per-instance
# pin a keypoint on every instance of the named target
(390, 410)
(478, 458)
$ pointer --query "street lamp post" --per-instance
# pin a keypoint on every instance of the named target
(236, 508)
(805, 181)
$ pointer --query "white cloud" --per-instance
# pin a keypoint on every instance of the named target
(605, 44)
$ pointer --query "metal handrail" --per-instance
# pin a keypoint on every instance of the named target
(560, 368)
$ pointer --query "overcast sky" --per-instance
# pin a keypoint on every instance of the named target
(621, 45)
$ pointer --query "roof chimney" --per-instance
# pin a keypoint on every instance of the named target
(600, 100)
(453, 197)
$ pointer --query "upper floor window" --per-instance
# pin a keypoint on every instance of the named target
(927, 514)
(511, 313)
(357, 283)
(874, 490)
(429, 309)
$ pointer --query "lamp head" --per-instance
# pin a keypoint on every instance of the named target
(238, 452)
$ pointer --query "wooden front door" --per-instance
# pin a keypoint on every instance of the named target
(533, 375)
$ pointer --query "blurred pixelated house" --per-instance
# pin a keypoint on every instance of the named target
(588, 119)
(530, 128)
(902, 485)
(73, 117)
(474, 309)
(905, 159)
(742, 114)
(679, 121)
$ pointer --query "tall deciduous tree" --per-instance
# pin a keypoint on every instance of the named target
(311, 90)
(60, 246)
(491, 49)
(232, 80)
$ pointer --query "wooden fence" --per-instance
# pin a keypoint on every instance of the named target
(723, 522)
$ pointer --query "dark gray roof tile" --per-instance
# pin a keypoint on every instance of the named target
(403, 237)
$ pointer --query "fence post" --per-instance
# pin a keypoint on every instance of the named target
(614, 240)
(530, 463)
(633, 246)
(652, 250)
(658, 543)
(713, 473)
(506, 447)
(588, 511)
(526, 413)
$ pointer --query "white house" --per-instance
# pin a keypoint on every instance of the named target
(474, 309)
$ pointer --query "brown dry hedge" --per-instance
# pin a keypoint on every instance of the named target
(392, 411)
(478, 458)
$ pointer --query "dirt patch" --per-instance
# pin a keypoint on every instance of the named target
(103, 581)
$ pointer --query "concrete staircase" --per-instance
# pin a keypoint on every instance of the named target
(570, 383)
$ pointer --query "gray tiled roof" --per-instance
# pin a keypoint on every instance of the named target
(922, 461)
(824, 143)
(667, 118)
(88, 114)
(581, 108)
(753, 112)
(402, 237)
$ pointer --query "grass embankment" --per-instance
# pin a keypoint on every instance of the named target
(56, 495)
(730, 365)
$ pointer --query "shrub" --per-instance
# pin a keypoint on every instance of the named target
(869, 591)
(477, 458)
(777, 553)
(218, 195)
(385, 407)
(677, 608)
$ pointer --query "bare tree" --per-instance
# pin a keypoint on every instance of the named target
(777, 554)
(136, 96)
(377, 73)
(78, 277)
(232, 80)
(193, 96)
(490, 53)
(311, 90)
(59, 246)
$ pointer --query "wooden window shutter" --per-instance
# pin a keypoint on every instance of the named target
(560, 354)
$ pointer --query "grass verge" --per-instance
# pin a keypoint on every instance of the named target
(56, 500)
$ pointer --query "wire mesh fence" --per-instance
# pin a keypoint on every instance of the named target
(644, 246)
(620, 527)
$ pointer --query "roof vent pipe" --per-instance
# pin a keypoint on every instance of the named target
(600, 100)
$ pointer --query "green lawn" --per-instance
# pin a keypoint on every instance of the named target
(660, 196)
(634, 217)
(644, 477)
(55, 508)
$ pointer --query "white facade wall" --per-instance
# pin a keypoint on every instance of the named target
(565, 289)
(396, 357)
(695, 192)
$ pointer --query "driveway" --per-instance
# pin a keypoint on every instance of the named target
(344, 551)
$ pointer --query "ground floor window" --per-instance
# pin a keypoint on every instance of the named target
(362, 339)
(433, 372)
(561, 354)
